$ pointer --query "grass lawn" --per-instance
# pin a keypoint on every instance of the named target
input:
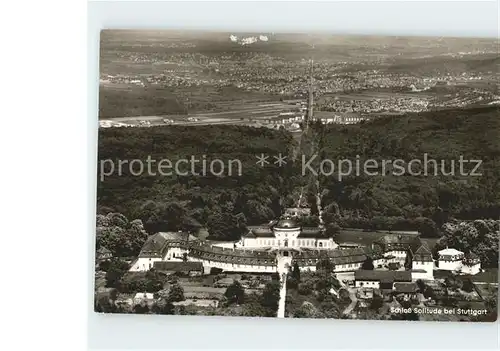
(486, 290)
(368, 237)
(490, 275)
(358, 237)
(294, 301)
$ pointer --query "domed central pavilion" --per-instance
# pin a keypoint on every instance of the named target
(286, 233)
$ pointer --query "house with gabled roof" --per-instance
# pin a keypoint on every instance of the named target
(380, 279)
(398, 245)
(103, 254)
(422, 263)
(162, 246)
(450, 259)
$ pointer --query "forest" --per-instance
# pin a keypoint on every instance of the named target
(387, 200)
(224, 205)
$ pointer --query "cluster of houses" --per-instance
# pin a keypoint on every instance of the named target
(294, 118)
(259, 251)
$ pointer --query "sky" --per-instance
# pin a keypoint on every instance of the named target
(427, 18)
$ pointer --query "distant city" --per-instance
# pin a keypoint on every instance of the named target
(368, 85)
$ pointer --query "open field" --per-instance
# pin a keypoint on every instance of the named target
(122, 100)
(162, 73)
(370, 95)
(237, 112)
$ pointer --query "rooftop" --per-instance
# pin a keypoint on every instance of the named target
(266, 231)
(450, 252)
(423, 254)
(178, 266)
(338, 256)
(286, 223)
(471, 258)
(103, 250)
(238, 256)
(386, 276)
(156, 243)
(407, 239)
(148, 296)
(405, 287)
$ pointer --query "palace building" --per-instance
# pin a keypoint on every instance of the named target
(286, 233)
(270, 248)
(258, 251)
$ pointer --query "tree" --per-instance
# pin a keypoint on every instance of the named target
(104, 265)
(235, 293)
(479, 237)
(427, 227)
(409, 259)
(421, 285)
(121, 237)
(377, 302)
(305, 288)
(332, 229)
(176, 293)
(307, 310)
(270, 298)
(296, 272)
(142, 308)
(368, 264)
(163, 307)
(104, 304)
(429, 293)
(215, 271)
(491, 303)
(325, 265)
(467, 285)
(453, 283)
(394, 266)
(186, 310)
(226, 225)
(113, 295)
(117, 268)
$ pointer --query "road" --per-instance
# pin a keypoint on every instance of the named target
(354, 301)
(283, 263)
(352, 296)
(281, 305)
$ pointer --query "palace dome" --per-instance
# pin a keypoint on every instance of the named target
(286, 223)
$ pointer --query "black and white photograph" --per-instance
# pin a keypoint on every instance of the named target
(298, 175)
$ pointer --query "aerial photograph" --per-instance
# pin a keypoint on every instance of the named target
(298, 175)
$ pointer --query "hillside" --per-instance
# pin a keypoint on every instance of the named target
(444, 136)
(183, 200)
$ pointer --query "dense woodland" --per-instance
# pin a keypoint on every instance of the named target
(225, 205)
(386, 200)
